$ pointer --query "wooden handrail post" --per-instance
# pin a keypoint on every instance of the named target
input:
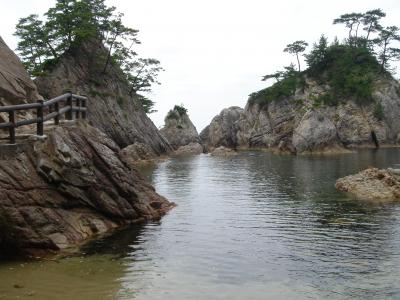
(78, 105)
(11, 119)
(40, 118)
(57, 117)
(69, 114)
(84, 114)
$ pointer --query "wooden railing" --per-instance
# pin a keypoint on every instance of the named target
(72, 104)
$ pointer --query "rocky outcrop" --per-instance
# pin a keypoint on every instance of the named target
(299, 124)
(223, 129)
(61, 190)
(179, 129)
(192, 148)
(223, 151)
(16, 87)
(372, 184)
(112, 107)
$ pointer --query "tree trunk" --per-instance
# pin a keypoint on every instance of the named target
(298, 61)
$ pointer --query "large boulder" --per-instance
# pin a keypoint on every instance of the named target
(179, 129)
(114, 109)
(59, 191)
(315, 131)
(223, 129)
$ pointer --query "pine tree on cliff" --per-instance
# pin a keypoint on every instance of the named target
(349, 68)
(71, 22)
(296, 48)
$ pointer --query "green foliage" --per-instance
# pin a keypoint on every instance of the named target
(347, 70)
(327, 99)
(147, 104)
(296, 48)
(69, 23)
(387, 53)
(180, 109)
(317, 55)
(177, 112)
(142, 74)
(378, 111)
(350, 72)
(280, 90)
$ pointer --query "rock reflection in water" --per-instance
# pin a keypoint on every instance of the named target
(253, 226)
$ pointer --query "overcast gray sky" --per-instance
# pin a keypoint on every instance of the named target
(215, 51)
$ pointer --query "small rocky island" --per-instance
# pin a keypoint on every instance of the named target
(180, 132)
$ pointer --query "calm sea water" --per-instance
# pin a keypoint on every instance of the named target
(254, 226)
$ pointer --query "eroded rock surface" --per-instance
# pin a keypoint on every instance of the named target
(179, 129)
(298, 124)
(16, 87)
(62, 190)
(223, 129)
(113, 108)
(372, 184)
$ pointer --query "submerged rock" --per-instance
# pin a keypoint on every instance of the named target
(59, 191)
(372, 184)
(113, 108)
(223, 151)
(192, 148)
(179, 129)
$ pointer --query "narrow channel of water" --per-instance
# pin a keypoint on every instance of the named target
(254, 226)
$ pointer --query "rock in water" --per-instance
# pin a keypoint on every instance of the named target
(223, 129)
(179, 129)
(223, 151)
(372, 184)
(192, 148)
(58, 192)
(113, 108)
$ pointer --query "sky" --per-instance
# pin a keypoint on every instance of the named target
(215, 52)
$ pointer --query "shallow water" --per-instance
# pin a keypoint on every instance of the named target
(255, 226)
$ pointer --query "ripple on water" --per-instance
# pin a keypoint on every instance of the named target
(255, 226)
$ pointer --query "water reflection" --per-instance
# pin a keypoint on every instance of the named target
(254, 226)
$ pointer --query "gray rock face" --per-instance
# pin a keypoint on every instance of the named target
(112, 109)
(297, 125)
(179, 129)
(223, 129)
(314, 131)
(68, 187)
(16, 87)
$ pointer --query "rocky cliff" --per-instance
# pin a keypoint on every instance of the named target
(299, 124)
(112, 109)
(223, 129)
(63, 189)
(16, 87)
(179, 129)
